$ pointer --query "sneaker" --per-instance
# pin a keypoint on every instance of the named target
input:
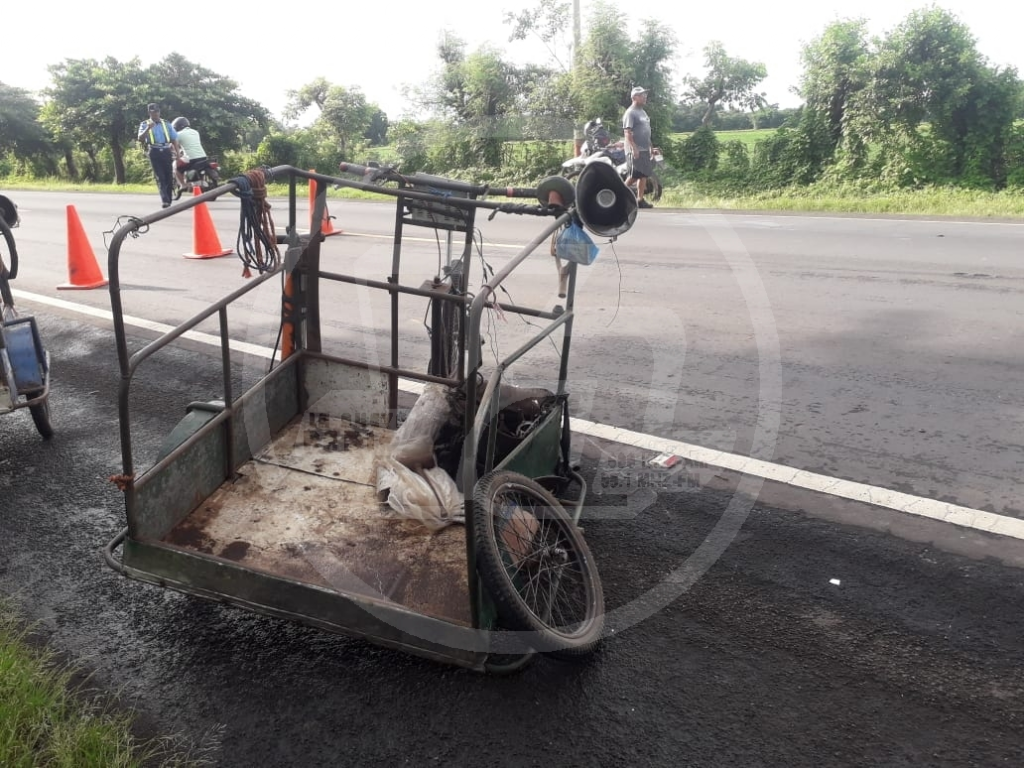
(644, 204)
(166, 205)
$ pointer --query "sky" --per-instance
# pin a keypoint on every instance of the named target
(381, 48)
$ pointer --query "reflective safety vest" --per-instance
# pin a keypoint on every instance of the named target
(167, 134)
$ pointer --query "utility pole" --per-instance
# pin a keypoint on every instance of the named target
(577, 131)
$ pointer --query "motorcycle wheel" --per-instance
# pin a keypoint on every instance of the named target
(209, 181)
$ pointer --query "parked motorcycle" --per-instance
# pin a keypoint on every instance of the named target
(205, 175)
(598, 147)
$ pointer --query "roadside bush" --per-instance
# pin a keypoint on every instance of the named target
(235, 163)
(699, 151)
(532, 161)
(280, 149)
(1015, 157)
(735, 159)
(793, 155)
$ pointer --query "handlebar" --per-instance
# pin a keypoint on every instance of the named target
(387, 173)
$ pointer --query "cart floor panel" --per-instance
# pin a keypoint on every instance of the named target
(306, 509)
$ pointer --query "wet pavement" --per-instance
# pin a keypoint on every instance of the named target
(755, 657)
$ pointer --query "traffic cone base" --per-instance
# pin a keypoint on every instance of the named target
(326, 228)
(83, 271)
(205, 243)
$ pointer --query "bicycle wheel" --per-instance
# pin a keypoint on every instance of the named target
(535, 565)
(41, 418)
(9, 251)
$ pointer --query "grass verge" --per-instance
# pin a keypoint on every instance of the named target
(951, 202)
(49, 719)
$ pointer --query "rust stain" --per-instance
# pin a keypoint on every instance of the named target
(236, 550)
(313, 529)
(191, 537)
(123, 482)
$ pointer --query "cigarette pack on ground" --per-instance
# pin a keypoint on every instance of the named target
(665, 460)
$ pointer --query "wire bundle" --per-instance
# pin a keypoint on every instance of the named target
(257, 238)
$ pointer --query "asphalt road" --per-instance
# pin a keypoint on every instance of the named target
(882, 351)
(913, 658)
(818, 631)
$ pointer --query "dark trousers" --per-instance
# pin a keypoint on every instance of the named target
(162, 160)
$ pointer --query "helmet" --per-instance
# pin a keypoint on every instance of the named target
(179, 123)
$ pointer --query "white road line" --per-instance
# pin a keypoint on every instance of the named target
(847, 489)
(696, 212)
(965, 517)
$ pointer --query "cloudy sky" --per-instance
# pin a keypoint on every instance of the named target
(380, 48)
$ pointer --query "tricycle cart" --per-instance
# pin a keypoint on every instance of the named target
(298, 498)
(24, 363)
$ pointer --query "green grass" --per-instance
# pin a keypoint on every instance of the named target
(815, 198)
(47, 719)
(924, 202)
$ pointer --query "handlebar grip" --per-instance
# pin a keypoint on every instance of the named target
(520, 192)
(353, 168)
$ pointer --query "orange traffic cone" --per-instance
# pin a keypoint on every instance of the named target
(326, 228)
(83, 271)
(205, 243)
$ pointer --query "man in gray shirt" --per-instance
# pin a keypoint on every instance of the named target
(636, 127)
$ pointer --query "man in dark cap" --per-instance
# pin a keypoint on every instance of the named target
(160, 142)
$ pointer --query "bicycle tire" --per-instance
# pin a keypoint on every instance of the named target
(41, 418)
(12, 250)
(513, 567)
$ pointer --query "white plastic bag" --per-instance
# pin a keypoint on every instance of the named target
(413, 443)
(427, 496)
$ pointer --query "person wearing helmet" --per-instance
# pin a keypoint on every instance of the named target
(191, 153)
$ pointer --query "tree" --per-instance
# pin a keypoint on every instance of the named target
(940, 110)
(469, 86)
(611, 63)
(837, 67)
(728, 81)
(94, 105)
(549, 22)
(21, 133)
(210, 101)
(377, 133)
(344, 112)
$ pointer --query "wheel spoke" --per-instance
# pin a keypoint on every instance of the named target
(533, 560)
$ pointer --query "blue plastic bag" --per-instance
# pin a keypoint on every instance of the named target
(574, 244)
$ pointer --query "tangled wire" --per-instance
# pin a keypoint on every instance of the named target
(257, 238)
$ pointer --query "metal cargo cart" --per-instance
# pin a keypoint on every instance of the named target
(283, 499)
